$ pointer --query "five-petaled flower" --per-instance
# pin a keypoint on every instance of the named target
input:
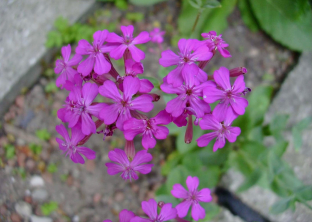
(227, 94)
(191, 198)
(150, 208)
(119, 111)
(215, 42)
(63, 66)
(70, 145)
(129, 167)
(190, 52)
(95, 52)
(221, 127)
(157, 35)
(121, 44)
(148, 128)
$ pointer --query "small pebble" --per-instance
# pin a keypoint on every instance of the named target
(23, 209)
(35, 218)
(40, 195)
(36, 181)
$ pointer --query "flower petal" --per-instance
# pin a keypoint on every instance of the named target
(183, 208)
(109, 113)
(169, 58)
(101, 65)
(87, 152)
(89, 92)
(66, 50)
(204, 195)
(127, 31)
(205, 139)
(167, 212)
(192, 183)
(222, 78)
(145, 86)
(87, 124)
(198, 212)
(162, 118)
(150, 208)
(131, 86)
(119, 156)
(118, 52)
(143, 37)
(137, 54)
(148, 141)
(109, 90)
(144, 169)
(209, 122)
(133, 127)
(84, 47)
(179, 191)
(177, 105)
(114, 38)
(141, 157)
(161, 132)
(142, 103)
(113, 168)
(63, 132)
(86, 66)
(126, 215)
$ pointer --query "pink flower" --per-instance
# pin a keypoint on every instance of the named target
(157, 35)
(221, 127)
(76, 82)
(190, 52)
(127, 42)
(129, 168)
(63, 66)
(120, 110)
(215, 42)
(150, 208)
(148, 128)
(79, 108)
(124, 216)
(227, 94)
(95, 51)
(70, 145)
(133, 69)
(188, 97)
(191, 197)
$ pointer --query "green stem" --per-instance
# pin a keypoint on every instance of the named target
(195, 23)
(305, 203)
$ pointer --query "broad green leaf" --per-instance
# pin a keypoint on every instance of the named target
(121, 4)
(241, 163)
(303, 124)
(191, 161)
(48, 208)
(176, 175)
(162, 190)
(145, 2)
(9, 151)
(209, 158)
(281, 205)
(135, 16)
(247, 15)
(295, 33)
(217, 19)
(250, 181)
(43, 134)
(279, 148)
(211, 210)
(277, 187)
(304, 192)
(252, 149)
(296, 134)
(208, 176)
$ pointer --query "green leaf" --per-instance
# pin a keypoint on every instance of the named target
(164, 71)
(218, 158)
(296, 134)
(250, 181)
(217, 19)
(121, 4)
(61, 23)
(211, 210)
(52, 168)
(278, 123)
(43, 134)
(36, 149)
(51, 87)
(191, 162)
(282, 205)
(168, 199)
(145, 2)
(247, 15)
(171, 162)
(304, 192)
(195, 3)
(279, 148)
(135, 16)
(295, 33)
(9, 151)
(303, 124)
(48, 208)
(176, 175)
(211, 4)
(208, 176)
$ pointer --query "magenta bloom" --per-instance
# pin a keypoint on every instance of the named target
(95, 51)
(79, 108)
(76, 82)
(63, 66)
(191, 197)
(127, 42)
(70, 147)
(214, 42)
(129, 168)
(148, 128)
(157, 35)
(190, 52)
(124, 216)
(227, 94)
(221, 128)
(188, 97)
(150, 208)
(120, 110)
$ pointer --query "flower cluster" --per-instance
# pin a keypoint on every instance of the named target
(128, 98)
(190, 198)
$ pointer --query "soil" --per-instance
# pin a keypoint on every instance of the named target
(87, 192)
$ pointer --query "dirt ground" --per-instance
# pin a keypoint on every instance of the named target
(87, 192)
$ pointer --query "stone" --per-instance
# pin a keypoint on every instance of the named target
(36, 181)
(15, 217)
(40, 195)
(23, 209)
(35, 218)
